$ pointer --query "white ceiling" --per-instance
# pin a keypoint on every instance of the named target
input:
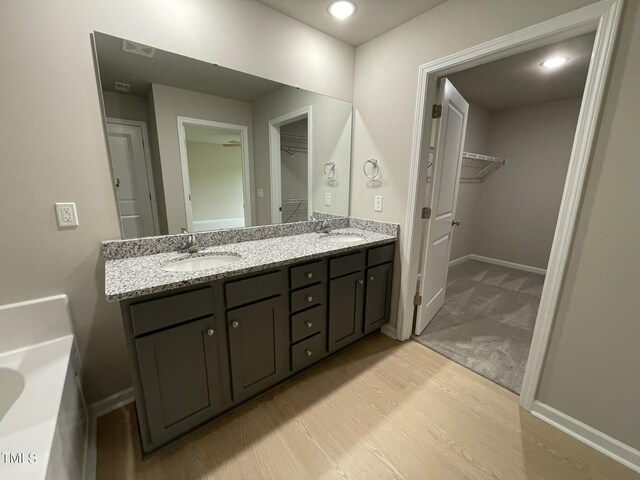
(519, 80)
(174, 70)
(373, 17)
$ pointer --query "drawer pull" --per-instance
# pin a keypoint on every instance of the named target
(308, 352)
(309, 274)
(309, 324)
(210, 332)
(235, 324)
(371, 277)
(309, 298)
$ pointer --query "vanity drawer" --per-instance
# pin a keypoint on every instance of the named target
(170, 310)
(307, 297)
(248, 290)
(378, 255)
(307, 351)
(307, 323)
(304, 275)
(346, 264)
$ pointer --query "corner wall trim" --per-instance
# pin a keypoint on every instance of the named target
(495, 261)
(609, 446)
(389, 330)
(96, 410)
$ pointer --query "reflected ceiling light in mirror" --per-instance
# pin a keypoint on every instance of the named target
(342, 9)
(554, 62)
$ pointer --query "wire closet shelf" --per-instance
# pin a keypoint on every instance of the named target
(476, 168)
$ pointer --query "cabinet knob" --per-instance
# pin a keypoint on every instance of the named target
(309, 298)
(309, 324)
(309, 275)
(360, 281)
(371, 277)
(210, 332)
(308, 352)
(235, 324)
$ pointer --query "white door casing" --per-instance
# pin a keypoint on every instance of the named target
(452, 127)
(275, 159)
(132, 179)
(184, 162)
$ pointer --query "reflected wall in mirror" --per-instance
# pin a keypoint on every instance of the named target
(198, 146)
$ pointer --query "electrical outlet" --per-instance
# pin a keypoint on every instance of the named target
(66, 215)
(327, 199)
(377, 203)
(261, 192)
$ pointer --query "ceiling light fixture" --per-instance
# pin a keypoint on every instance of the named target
(342, 9)
(554, 62)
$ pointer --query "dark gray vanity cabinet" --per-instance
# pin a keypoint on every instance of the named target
(378, 287)
(179, 375)
(178, 343)
(200, 351)
(256, 338)
(346, 299)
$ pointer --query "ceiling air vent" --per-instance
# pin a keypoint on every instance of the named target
(138, 49)
(121, 87)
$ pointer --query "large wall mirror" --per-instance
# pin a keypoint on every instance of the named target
(198, 146)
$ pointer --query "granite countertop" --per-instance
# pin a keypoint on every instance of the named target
(142, 275)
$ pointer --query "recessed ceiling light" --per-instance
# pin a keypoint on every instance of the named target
(554, 62)
(342, 9)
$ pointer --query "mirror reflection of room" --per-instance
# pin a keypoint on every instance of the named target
(194, 146)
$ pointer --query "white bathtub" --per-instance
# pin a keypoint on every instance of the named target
(43, 423)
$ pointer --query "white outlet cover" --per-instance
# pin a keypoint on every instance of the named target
(327, 199)
(261, 192)
(66, 215)
(377, 203)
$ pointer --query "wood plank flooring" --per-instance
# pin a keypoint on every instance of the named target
(382, 409)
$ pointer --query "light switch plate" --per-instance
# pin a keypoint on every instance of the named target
(327, 199)
(261, 192)
(377, 203)
(66, 215)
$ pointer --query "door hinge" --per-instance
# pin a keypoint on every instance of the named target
(426, 212)
(436, 111)
(417, 299)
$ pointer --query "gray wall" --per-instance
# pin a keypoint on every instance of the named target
(591, 368)
(512, 215)
(128, 107)
(71, 163)
(169, 103)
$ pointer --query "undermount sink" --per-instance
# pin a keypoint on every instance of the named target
(200, 263)
(341, 237)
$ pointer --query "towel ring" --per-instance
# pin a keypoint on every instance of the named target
(330, 170)
(375, 169)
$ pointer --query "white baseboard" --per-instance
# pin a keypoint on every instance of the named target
(389, 330)
(96, 410)
(612, 448)
(502, 263)
(459, 260)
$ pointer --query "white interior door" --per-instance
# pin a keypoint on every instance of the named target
(444, 193)
(131, 178)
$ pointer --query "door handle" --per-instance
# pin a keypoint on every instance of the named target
(455, 223)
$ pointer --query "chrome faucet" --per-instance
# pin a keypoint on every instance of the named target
(323, 227)
(190, 245)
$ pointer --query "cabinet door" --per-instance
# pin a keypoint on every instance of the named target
(345, 310)
(179, 371)
(378, 294)
(256, 346)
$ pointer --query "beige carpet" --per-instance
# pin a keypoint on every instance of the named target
(487, 320)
